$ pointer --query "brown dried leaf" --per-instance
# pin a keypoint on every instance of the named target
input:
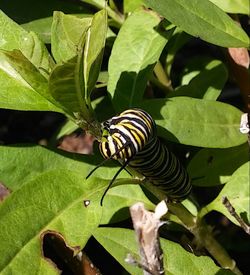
(238, 64)
(240, 56)
(81, 144)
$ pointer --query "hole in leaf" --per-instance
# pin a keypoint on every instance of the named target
(86, 203)
(55, 249)
(4, 192)
(70, 260)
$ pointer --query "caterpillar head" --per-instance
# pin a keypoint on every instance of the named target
(126, 134)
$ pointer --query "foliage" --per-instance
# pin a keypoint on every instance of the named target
(48, 189)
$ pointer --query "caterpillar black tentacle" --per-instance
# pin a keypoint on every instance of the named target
(131, 138)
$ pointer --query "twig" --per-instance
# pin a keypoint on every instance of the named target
(233, 213)
(146, 225)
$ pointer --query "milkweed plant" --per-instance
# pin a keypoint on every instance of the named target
(92, 66)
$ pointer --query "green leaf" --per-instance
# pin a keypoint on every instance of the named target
(238, 192)
(53, 201)
(103, 77)
(66, 33)
(42, 27)
(12, 37)
(66, 129)
(176, 42)
(196, 122)
(193, 67)
(202, 19)
(233, 6)
(21, 164)
(22, 85)
(93, 51)
(97, 3)
(211, 167)
(135, 52)
(207, 84)
(72, 82)
(67, 89)
(119, 198)
(36, 52)
(65, 85)
(131, 5)
(119, 242)
(103, 108)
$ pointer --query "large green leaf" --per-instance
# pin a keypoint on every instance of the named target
(136, 50)
(119, 199)
(12, 36)
(202, 19)
(66, 33)
(53, 201)
(196, 122)
(238, 192)
(207, 84)
(20, 164)
(211, 167)
(119, 242)
(23, 87)
(233, 6)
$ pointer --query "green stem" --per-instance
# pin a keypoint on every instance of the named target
(162, 77)
(158, 84)
(93, 127)
(117, 17)
(200, 230)
(204, 236)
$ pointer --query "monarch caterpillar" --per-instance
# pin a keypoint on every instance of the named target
(131, 138)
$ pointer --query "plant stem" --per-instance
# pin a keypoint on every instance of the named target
(118, 18)
(203, 236)
(158, 84)
(200, 230)
(162, 77)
